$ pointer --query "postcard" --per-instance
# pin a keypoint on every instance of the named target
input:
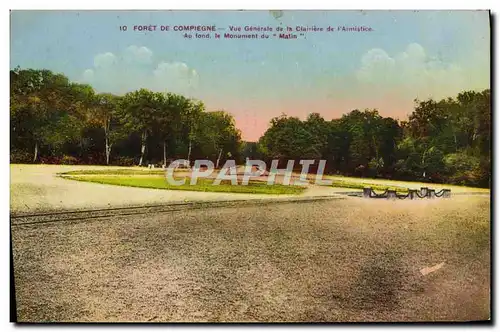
(265, 166)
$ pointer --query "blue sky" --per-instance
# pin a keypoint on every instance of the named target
(410, 54)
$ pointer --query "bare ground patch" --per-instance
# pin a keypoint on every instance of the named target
(340, 260)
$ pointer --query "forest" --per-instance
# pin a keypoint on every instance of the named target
(56, 121)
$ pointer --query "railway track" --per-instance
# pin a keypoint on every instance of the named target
(19, 219)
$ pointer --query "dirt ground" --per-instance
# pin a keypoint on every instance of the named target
(341, 260)
(37, 188)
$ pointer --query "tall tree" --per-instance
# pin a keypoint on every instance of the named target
(171, 107)
(41, 102)
(104, 114)
(219, 134)
(191, 118)
(139, 113)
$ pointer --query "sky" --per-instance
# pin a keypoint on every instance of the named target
(408, 55)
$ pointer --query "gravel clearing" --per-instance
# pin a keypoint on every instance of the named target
(37, 188)
(332, 260)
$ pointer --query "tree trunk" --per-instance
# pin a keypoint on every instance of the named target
(218, 159)
(36, 152)
(189, 153)
(106, 139)
(423, 163)
(165, 154)
(108, 148)
(108, 151)
(143, 146)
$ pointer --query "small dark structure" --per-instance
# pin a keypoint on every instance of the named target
(391, 194)
(424, 192)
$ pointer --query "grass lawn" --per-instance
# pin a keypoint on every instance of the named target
(360, 185)
(153, 178)
(148, 180)
(118, 171)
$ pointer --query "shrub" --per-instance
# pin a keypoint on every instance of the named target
(123, 161)
(58, 160)
(463, 169)
(69, 160)
(21, 157)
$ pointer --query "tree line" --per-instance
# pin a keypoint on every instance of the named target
(54, 120)
(446, 141)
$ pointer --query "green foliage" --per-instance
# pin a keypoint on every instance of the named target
(452, 139)
(52, 117)
(424, 148)
(463, 168)
(20, 157)
(442, 141)
(159, 182)
(138, 110)
(217, 133)
(349, 144)
(42, 107)
(123, 161)
(69, 160)
(290, 138)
